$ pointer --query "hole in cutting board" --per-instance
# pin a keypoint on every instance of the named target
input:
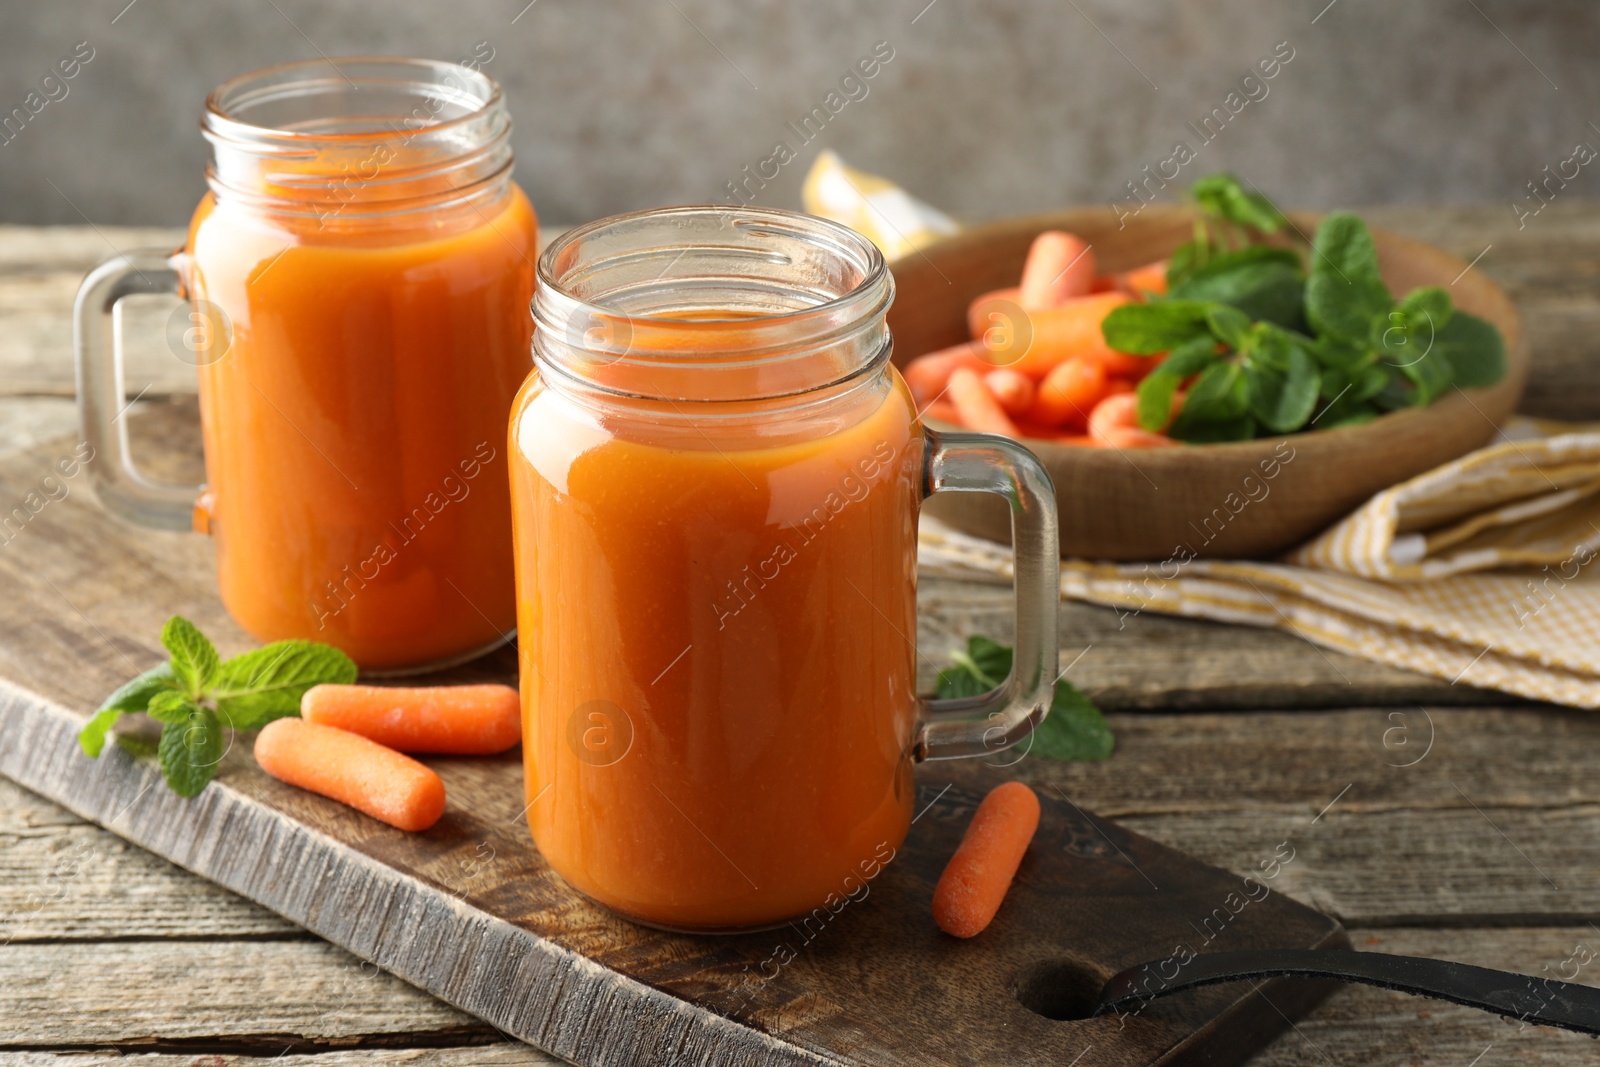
(1059, 989)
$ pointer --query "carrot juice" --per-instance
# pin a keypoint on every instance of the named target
(353, 432)
(717, 659)
(368, 281)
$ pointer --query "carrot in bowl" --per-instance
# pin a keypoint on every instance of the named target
(975, 881)
(1069, 392)
(929, 374)
(1117, 411)
(978, 408)
(992, 309)
(1150, 278)
(457, 720)
(1058, 333)
(1014, 391)
(1114, 423)
(1059, 267)
(346, 767)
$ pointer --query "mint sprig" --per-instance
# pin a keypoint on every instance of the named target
(197, 694)
(1073, 731)
(1268, 346)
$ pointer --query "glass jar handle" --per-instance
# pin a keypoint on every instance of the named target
(985, 463)
(121, 486)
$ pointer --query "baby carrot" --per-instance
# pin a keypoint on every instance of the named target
(928, 375)
(346, 767)
(1118, 411)
(943, 411)
(1059, 267)
(1068, 393)
(978, 408)
(1150, 278)
(457, 720)
(1114, 423)
(975, 880)
(1014, 391)
(1058, 333)
(991, 310)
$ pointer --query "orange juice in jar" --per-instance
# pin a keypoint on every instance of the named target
(715, 481)
(359, 276)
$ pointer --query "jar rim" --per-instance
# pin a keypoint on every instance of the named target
(874, 272)
(220, 119)
(751, 304)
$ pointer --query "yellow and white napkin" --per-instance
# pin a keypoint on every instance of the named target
(894, 220)
(1480, 572)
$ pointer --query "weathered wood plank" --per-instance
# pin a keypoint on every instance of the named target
(1401, 844)
(1157, 662)
(504, 1054)
(273, 995)
(1389, 760)
(66, 879)
(1361, 1025)
(1356, 1025)
(470, 911)
(1494, 866)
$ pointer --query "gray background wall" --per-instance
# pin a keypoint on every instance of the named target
(989, 107)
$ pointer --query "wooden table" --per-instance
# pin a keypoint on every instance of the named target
(1429, 818)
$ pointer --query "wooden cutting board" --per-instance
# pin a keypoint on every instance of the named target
(469, 911)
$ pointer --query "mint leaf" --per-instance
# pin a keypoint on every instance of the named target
(194, 659)
(256, 687)
(991, 658)
(1345, 291)
(1342, 354)
(1474, 348)
(190, 750)
(1159, 326)
(1212, 431)
(1429, 376)
(132, 696)
(1074, 730)
(1428, 304)
(1264, 283)
(1222, 196)
(1228, 324)
(982, 667)
(1282, 400)
(1156, 391)
(171, 706)
(1216, 396)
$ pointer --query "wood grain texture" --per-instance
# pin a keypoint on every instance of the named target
(65, 879)
(1355, 1024)
(504, 1054)
(1156, 662)
(1401, 845)
(470, 912)
(275, 995)
(1361, 1025)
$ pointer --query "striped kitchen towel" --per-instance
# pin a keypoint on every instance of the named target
(1478, 571)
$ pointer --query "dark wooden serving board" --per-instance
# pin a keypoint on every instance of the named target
(470, 912)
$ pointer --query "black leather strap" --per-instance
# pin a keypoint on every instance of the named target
(1541, 1001)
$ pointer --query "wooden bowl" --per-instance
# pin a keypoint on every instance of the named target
(1248, 499)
